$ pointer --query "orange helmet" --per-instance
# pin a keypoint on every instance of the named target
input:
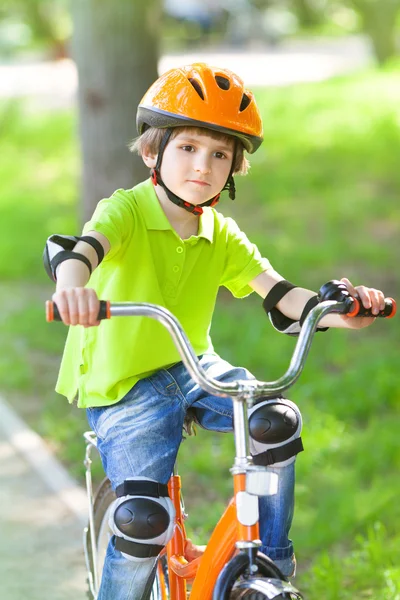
(202, 96)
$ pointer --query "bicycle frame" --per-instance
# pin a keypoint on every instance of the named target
(232, 531)
(205, 569)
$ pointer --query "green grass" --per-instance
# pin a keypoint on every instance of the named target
(321, 202)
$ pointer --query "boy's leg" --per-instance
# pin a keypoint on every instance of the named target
(276, 515)
(139, 436)
(216, 414)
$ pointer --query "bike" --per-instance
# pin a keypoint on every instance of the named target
(231, 567)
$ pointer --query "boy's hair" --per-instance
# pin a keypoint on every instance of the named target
(150, 141)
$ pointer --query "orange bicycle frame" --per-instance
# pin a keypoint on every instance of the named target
(204, 571)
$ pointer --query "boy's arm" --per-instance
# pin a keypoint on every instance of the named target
(293, 303)
(77, 304)
(74, 273)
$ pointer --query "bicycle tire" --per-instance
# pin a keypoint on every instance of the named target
(103, 499)
(235, 570)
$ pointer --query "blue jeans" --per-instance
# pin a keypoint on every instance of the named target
(141, 434)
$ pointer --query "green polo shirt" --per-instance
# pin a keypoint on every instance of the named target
(149, 262)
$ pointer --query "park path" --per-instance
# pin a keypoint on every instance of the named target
(54, 84)
(41, 555)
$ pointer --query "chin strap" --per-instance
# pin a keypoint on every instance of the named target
(197, 209)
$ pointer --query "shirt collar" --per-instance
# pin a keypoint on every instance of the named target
(206, 225)
(155, 217)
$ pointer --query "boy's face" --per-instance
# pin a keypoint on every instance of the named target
(195, 166)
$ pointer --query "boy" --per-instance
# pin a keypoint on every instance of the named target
(163, 243)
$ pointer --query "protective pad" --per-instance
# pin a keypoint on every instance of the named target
(275, 428)
(281, 322)
(142, 519)
(61, 247)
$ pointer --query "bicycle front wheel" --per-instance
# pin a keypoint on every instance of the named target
(103, 499)
(237, 583)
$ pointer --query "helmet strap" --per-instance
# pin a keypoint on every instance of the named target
(193, 208)
(230, 183)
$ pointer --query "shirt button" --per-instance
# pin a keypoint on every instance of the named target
(179, 249)
(176, 269)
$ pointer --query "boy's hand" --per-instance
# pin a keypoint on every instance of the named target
(370, 298)
(78, 306)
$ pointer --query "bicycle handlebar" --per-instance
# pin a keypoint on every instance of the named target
(250, 389)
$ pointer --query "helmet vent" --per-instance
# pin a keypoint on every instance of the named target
(197, 87)
(244, 103)
(223, 82)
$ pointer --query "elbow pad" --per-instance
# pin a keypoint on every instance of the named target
(279, 321)
(283, 324)
(61, 247)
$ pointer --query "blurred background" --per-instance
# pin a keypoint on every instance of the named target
(321, 201)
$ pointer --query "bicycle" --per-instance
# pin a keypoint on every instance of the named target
(231, 567)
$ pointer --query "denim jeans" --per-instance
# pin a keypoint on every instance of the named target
(141, 434)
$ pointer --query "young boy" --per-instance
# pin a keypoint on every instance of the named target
(163, 243)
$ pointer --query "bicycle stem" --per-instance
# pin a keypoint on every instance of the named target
(240, 390)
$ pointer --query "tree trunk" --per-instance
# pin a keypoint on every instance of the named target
(307, 13)
(379, 20)
(115, 45)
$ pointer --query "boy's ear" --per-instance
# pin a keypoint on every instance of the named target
(149, 158)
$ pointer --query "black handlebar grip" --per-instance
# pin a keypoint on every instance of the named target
(52, 313)
(358, 310)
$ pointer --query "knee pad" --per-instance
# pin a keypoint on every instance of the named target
(275, 428)
(142, 518)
